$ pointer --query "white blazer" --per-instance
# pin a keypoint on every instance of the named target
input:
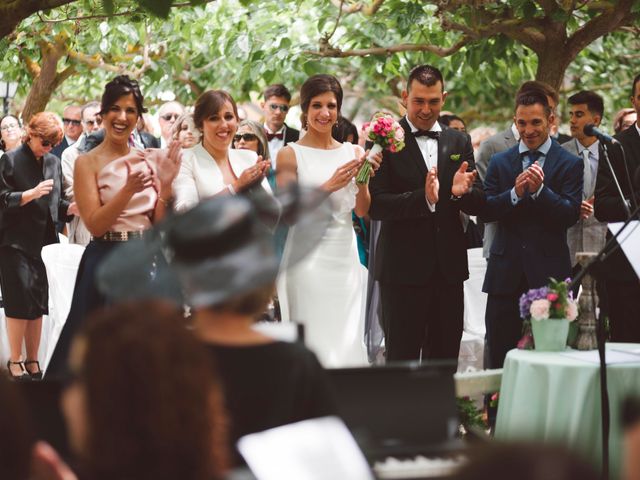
(200, 177)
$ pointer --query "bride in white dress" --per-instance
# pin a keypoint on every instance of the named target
(326, 291)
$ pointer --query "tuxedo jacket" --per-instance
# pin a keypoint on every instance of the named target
(414, 243)
(290, 134)
(58, 149)
(531, 238)
(94, 139)
(586, 235)
(30, 227)
(608, 206)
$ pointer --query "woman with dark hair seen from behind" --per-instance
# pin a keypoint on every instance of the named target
(144, 401)
(453, 121)
(325, 292)
(31, 202)
(120, 192)
(10, 133)
(184, 131)
(211, 167)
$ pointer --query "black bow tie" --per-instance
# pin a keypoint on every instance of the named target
(428, 133)
(271, 136)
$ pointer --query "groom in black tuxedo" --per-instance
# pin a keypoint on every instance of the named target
(418, 194)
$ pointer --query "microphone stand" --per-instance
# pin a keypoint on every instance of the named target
(610, 247)
(605, 150)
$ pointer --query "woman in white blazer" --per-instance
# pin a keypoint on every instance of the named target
(211, 167)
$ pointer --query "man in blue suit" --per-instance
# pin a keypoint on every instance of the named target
(534, 192)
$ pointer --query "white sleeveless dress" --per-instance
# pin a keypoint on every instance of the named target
(326, 291)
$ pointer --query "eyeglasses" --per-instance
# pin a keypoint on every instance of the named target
(247, 137)
(281, 106)
(91, 123)
(75, 123)
(10, 127)
(170, 116)
(46, 143)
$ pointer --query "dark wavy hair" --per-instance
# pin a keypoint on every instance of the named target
(317, 85)
(119, 87)
(153, 400)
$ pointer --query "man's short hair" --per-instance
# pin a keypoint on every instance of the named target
(532, 97)
(277, 90)
(425, 74)
(92, 104)
(633, 87)
(547, 89)
(591, 99)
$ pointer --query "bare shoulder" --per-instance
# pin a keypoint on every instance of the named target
(286, 158)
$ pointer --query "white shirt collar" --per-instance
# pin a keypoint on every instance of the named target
(544, 148)
(435, 128)
(274, 133)
(637, 127)
(593, 148)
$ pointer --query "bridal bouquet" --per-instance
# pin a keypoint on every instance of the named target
(539, 305)
(385, 133)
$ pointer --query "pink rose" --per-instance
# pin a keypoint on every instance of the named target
(552, 297)
(539, 309)
(571, 311)
(399, 133)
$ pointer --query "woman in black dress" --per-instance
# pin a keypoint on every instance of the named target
(31, 201)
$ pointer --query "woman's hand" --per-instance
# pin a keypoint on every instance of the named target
(252, 174)
(342, 176)
(168, 165)
(137, 181)
(40, 190)
(73, 209)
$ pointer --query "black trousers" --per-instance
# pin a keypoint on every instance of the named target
(422, 321)
(624, 310)
(504, 325)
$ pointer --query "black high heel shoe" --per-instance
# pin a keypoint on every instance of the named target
(23, 376)
(35, 375)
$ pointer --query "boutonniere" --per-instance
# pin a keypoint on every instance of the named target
(455, 157)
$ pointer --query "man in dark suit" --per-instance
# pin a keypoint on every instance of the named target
(94, 139)
(621, 281)
(534, 191)
(72, 121)
(275, 108)
(418, 194)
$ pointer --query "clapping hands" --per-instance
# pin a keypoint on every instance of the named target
(252, 174)
(530, 180)
(463, 180)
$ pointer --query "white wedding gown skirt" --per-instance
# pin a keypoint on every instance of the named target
(326, 291)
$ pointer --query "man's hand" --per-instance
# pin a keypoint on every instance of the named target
(463, 180)
(522, 184)
(431, 186)
(586, 208)
(535, 177)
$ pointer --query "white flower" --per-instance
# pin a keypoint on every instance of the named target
(571, 311)
(540, 309)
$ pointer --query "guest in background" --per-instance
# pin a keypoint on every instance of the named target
(10, 133)
(184, 131)
(211, 167)
(31, 201)
(624, 119)
(250, 136)
(143, 399)
(275, 108)
(453, 121)
(72, 121)
(167, 115)
(479, 135)
(121, 192)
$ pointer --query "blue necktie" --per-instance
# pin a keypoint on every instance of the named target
(529, 157)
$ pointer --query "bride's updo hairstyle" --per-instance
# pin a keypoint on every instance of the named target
(210, 103)
(119, 87)
(317, 85)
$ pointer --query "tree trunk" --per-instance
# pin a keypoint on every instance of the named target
(43, 84)
(552, 65)
(12, 12)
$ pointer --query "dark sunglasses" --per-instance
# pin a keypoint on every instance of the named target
(170, 116)
(275, 106)
(77, 123)
(46, 143)
(247, 137)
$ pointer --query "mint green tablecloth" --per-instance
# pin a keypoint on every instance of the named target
(551, 398)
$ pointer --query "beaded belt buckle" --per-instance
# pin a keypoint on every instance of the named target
(119, 236)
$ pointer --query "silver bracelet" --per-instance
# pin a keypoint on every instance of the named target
(232, 190)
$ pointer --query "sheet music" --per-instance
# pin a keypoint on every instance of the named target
(629, 241)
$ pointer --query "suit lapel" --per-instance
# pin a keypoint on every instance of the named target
(412, 149)
(444, 150)
(551, 159)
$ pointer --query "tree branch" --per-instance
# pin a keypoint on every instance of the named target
(405, 47)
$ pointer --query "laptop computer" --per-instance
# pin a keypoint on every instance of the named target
(399, 410)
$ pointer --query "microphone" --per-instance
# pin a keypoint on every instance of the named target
(590, 130)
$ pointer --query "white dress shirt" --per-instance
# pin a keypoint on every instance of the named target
(429, 149)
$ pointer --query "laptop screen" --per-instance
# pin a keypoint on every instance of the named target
(398, 409)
